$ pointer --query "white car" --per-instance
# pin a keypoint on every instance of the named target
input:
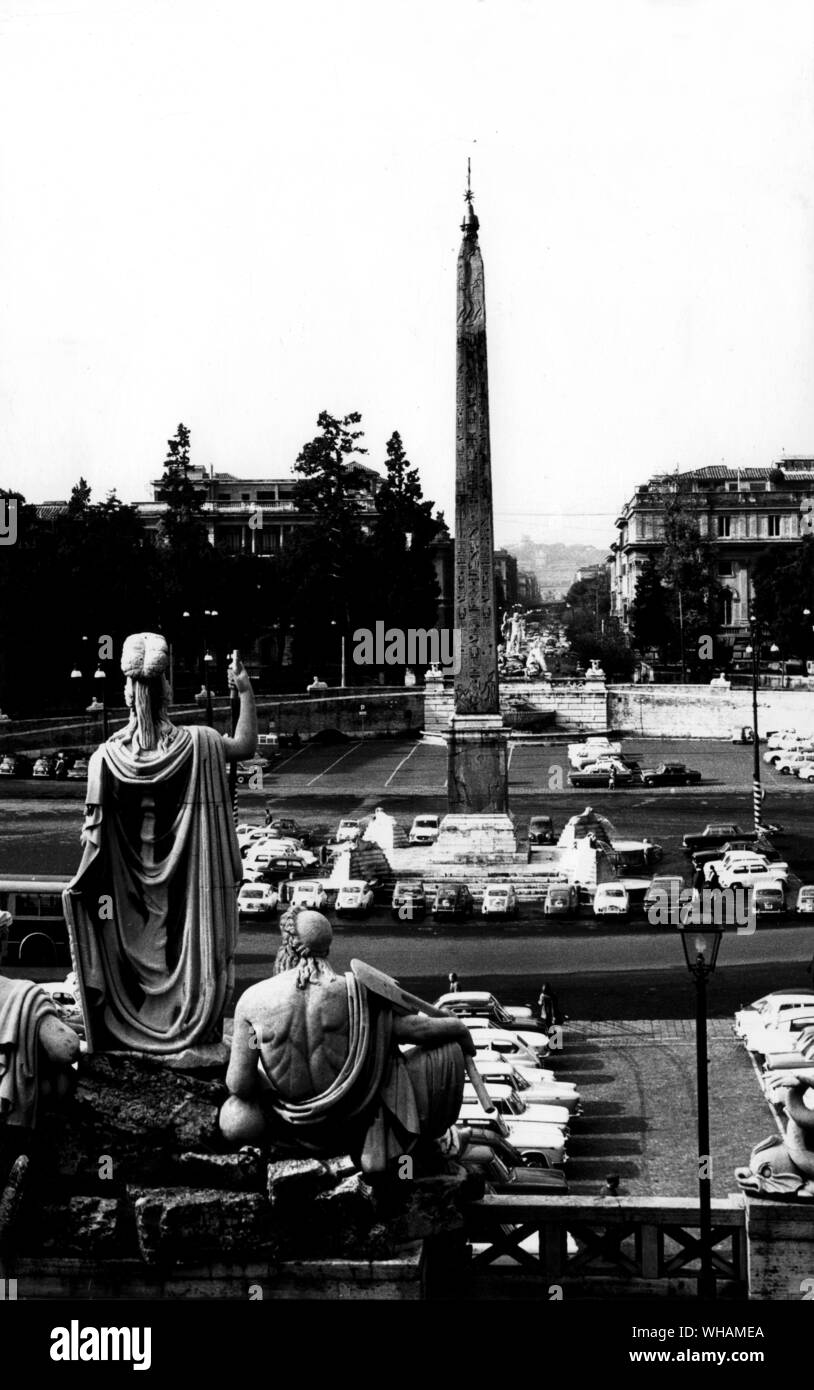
(772, 1011)
(611, 900)
(499, 900)
(481, 1004)
(528, 1083)
(538, 1145)
(509, 1103)
(348, 831)
(805, 771)
(538, 1043)
(424, 830)
(738, 869)
(789, 763)
(592, 749)
(308, 892)
(257, 900)
(501, 1043)
(262, 852)
(354, 898)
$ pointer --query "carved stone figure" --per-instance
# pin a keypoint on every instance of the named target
(784, 1167)
(36, 1051)
(152, 910)
(316, 1064)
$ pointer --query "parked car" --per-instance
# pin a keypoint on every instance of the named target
(539, 1145)
(493, 1041)
(480, 1005)
(257, 900)
(409, 902)
(286, 828)
(79, 771)
(309, 892)
(261, 853)
(15, 765)
(508, 1103)
(598, 774)
(772, 1011)
(805, 771)
(663, 896)
(715, 834)
(561, 900)
(760, 845)
(528, 1085)
(541, 830)
(453, 902)
(768, 898)
(591, 749)
(424, 830)
(805, 899)
(251, 770)
(737, 870)
(518, 1178)
(670, 775)
(280, 869)
(611, 900)
(789, 763)
(348, 831)
(354, 899)
(499, 900)
(43, 767)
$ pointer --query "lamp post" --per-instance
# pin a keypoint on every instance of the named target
(341, 655)
(701, 943)
(753, 650)
(76, 672)
(101, 675)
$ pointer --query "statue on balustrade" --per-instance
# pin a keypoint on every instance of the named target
(785, 1167)
(152, 911)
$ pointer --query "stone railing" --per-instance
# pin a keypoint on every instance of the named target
(613, 1246)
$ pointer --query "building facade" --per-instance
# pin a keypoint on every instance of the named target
(740, 511)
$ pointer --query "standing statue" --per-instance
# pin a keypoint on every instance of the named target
(152, 911)
(316, 1062)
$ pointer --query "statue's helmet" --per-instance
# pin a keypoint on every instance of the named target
(145, 655)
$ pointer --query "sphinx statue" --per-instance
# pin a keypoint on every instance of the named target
(152, 911)
(37, 1051)
(784, 1167)
(316, 1063)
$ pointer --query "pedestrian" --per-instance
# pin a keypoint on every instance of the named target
(612, 778)
(548, 1006)
(713, 880)
(453, 982)
(648, 852)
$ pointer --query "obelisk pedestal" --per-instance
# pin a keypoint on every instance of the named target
(477, 777)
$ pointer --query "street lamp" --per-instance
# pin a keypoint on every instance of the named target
(701, 943)
(101, 675)
(342, 656)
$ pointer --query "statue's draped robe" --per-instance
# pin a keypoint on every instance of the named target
(382, 1101)
(23, 1006)
(152, 910)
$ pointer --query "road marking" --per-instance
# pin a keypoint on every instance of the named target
(286, 761)
(401, 765)
(346, 754)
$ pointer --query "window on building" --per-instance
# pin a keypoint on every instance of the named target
(725, 567)
(774, 525)
(724, 525)
(245, 497)
(266, 497)
(728, 607)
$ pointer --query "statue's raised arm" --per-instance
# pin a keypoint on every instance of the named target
(243, 742)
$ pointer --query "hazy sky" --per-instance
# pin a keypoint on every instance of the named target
(238, 214)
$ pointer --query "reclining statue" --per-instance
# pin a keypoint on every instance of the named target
(37, 1051)
(316, 1064)
(152, 911)
(784, 1167)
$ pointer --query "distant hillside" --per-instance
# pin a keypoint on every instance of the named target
(556, 565)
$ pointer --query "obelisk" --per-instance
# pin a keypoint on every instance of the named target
(477, 775)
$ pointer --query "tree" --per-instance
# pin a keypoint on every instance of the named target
(183, 525)
(650, 624)
(400, 545)
(687, 566)
(783, 583)
(79, 499)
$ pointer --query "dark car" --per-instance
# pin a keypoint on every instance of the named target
(751, 845)
(541, 830)
(409, 902)
(670, 775)
(453, 902)
(492, 1163)
(285, 827)
(598, 774)
(714, 835)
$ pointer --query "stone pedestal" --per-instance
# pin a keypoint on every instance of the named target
(477, 839)
(477, 764)
(780, 1249)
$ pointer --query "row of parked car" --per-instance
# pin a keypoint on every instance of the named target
(522, 1144)
(791, 754)
(60, 766)
(778, 1030)
(598, 762)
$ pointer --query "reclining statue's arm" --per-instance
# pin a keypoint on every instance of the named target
(430, 1032)
(243, 743)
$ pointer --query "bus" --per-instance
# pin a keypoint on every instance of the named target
(38, 934)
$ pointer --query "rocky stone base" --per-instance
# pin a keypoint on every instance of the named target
(133, 1172)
